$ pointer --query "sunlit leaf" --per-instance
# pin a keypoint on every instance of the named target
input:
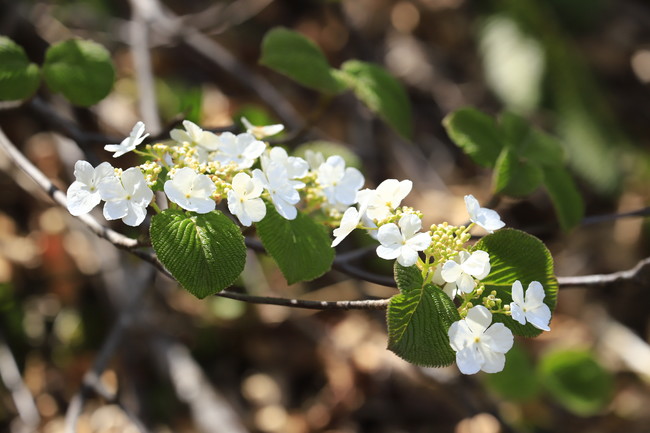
(515, 255)
(294, 55)
(476, 133)
(300, 247)
(205, 253)
(19, 78)
(418, 325)
(381, 93)
(81, 70)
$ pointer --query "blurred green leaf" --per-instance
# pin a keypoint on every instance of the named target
(177, 97)
(300, 247)
(515, 176)
(476, 133)
(576, 380)
(81, 70)
(381, 93)
(515, 255)
(418, 322)
(518, 381)
(205, 253)
(19, 78)
(565, 196)
(292, 54)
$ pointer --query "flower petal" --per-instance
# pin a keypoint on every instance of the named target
(408, 257)
(389, 234)
(451, 271)
(540, 317)
(478, 319)
(469, 360)
(535, 295)
(517, 293)
(498, 338)
(493, 362)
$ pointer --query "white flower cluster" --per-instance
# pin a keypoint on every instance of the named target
(197, 169)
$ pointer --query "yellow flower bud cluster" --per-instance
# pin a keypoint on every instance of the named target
(446, 241)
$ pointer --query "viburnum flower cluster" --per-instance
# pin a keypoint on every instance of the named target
(198, 169)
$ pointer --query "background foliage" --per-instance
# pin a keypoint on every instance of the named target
(576, 71)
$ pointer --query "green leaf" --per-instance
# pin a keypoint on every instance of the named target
(515, 176)
(205, 253)
(544, 149)
(408, 278)
(476, 134)
(381, 93)
(418, 322)
(515, 130)
(576, 380)
(19, 78)
(517, 382)
(564, 194)
(301, 247)
(515, 255)
(300, 59)
(81, 70)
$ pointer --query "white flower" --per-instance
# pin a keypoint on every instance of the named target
(127, 197)
(130, 142)
(244, 199)
(478, 345)
(296, 167)
(191, 191)
(262, 131)
(530, 308)
(315, 159)
(83, 193)
(281, 189)
(388, 195)
(464, 268)
(340, 184)
(403, 242)
(449, 288)
(193, 134)
(242, 149)
(484, 217)
(349, 222)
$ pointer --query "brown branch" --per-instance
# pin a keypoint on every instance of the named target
(342, 262)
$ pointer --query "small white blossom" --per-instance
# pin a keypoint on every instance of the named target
(449, 288)
(130, 142)
(340, 184)
(315, 159)
(193, 134)
(348, 223)
(83, 194)
(242, 149)
(282, 190)
(403, 242)
(296, 167)
(530, 308)
(244, 199)
(191, 191)
(126, 197)
(478, 345)
(261, 131)
(387, 197)
(464, 269)
(484, 217)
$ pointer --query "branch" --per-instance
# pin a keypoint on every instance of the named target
(13, 382)
(633, 274)
(342, 262)
(59, 196)
(364, 304)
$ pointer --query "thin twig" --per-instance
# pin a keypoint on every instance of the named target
(91, 382)
(14, 384)
(342, 263)
(363, 304)
(59, 196)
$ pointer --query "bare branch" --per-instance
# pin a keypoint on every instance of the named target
(59, 196)
(364, 304)
(635, 273)
(14, 383)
